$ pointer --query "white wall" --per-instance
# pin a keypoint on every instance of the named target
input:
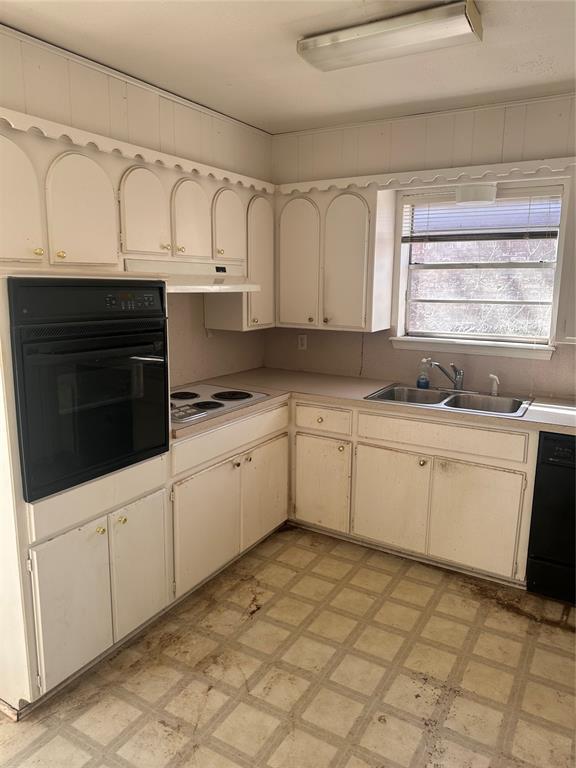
(47, 82)
(373, 356)
(531, 130)
(196, 353)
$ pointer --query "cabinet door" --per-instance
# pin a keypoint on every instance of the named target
(229, 221)
(299, 263)
(323, 481)
(191, 221)
(71, 587)
(261, 261)
(345, 262)
(82, 223)
(138, 545)
(144, 209)
(391, 497)
(474, 515)
(264, 490)
(21, 236)
(206, 523)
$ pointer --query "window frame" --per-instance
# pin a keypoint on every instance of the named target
(508, 346)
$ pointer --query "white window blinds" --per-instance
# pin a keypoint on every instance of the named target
(482, 271)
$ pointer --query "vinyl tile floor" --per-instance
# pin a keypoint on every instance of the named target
(311, 652)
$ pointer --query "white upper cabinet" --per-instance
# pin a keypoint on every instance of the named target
(82, 221)
(342, 279)
(261, 261)
(249, 311)
(229, 226)
(345, 262)
(21, 237)
(191, 221)
(299, 263)
(144, 212)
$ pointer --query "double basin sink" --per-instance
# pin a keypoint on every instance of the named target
(471, 402)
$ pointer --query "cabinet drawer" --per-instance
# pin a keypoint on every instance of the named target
(55, 513)
(326, 419)
(509, 446)
(227, 439)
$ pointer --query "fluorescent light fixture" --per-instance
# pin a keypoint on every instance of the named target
(476, 194)
(440, 27)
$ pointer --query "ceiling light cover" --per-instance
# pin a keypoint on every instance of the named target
(441, 27)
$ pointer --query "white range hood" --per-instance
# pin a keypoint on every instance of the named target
(190, 277)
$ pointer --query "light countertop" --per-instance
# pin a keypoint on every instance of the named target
(543, 413)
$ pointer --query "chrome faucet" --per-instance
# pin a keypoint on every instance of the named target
(457, 377)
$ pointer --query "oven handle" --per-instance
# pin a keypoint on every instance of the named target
(130, 352)
(150, 359)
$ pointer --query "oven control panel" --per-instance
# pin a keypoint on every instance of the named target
(130, 301)
(50, 300)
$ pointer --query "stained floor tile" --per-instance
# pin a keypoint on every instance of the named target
(247, 729)
(312, 652)
(332, 712)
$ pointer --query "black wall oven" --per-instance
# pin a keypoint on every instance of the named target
(91, 377)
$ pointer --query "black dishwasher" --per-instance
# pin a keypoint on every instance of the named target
(551, 549)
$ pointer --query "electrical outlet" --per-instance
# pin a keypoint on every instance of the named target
(302, 342)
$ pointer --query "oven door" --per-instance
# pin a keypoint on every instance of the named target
(89, 406)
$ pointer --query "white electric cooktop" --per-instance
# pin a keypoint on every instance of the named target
(196, 402)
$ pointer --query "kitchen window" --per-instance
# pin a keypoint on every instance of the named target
(480, 272)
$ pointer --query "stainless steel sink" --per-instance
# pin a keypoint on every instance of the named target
(440, 399)
(488, 404)
(411, 395)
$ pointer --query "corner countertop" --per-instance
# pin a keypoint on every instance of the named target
(543, 413)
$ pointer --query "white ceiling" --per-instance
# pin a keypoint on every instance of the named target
(239, 56)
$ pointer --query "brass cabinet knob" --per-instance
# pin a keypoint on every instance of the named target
(61, 254)
(180, 248)
(248, 459)
(236, 464)
(38, 251)
(255, 320)
(100, 530)
(341, 448)
(422, 462)
(166, 246)
(326, 320)
(220, 251)
(319, 419)
(310, 319)
(123, 520)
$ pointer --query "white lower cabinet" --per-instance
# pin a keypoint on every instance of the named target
(323, 469)
(139, 542)
(206, 523)
(264, 490)
(391, 497)
(224, 509)
(474, 515)
(98, 582)
(71, 588)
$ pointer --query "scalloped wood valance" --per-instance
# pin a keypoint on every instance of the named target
(23, 122)
(557, 168)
